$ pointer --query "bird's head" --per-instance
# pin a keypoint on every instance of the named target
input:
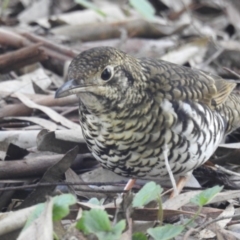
(104, 78)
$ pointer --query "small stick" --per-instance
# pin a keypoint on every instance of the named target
(50, 45)
(232, 72)
(227, 171)
(20, 58)
(30, 186)
(10, 38)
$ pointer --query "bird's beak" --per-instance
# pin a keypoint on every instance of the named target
(72, 87)
(67, 89)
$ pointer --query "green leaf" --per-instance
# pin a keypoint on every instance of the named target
(115, 232)
(149, 192)
(166, 232)
(206, 196)
(95, 201)
(92, 6)
(118, 228)
(144, 8)
(95, 220)
(61, 206)
(139, 236)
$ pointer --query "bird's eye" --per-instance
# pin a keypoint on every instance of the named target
(106, 74)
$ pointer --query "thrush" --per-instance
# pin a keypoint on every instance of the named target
(132, 108)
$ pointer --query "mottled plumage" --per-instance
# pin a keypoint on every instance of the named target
(130, 109)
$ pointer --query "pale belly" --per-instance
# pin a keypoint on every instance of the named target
(134, 148)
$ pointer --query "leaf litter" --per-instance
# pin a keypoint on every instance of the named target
(36, 47)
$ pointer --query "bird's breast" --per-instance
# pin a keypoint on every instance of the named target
(134, 145)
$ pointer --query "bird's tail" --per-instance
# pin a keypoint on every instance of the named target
(231, 111)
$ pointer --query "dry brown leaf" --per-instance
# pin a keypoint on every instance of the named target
(113, 13)
(46, 141)
(42, 227)
(52, 174)
(35, 10)
(184, 198)
(177, 5)
(229, 211)
(51, 113)
(233, 10)
(225, 196)
(180, 200)
(70, 135)
(103, 175)
(187, 52)
(71, 176)
(24, 83)
(11, 221)
(234, 229)
(227, 235)
(23, 139)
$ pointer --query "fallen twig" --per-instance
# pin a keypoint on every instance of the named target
(10, 38)
(23, 57)
(29, 186)
(51, 45)
(20, 109)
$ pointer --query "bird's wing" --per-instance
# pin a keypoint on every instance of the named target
(183, 83)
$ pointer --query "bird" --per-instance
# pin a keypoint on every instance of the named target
(131, 109)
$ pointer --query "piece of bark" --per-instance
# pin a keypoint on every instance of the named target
(27, 168)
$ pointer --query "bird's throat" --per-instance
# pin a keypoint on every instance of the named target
(91, 102)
